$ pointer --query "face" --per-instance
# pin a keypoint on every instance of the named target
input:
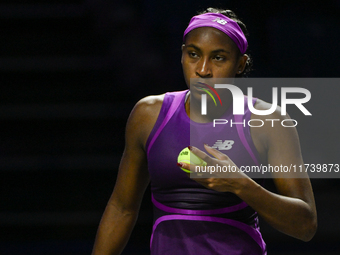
(210, 53)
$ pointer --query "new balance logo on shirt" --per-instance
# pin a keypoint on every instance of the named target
(223, 146)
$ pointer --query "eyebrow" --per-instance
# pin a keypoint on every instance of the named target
(214, 51)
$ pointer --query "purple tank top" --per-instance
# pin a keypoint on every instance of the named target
(189, 218)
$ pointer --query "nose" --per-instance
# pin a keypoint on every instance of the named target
(203, 68)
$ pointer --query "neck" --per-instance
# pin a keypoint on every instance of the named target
(193, 108)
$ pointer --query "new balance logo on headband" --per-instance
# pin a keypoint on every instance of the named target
(220, 21)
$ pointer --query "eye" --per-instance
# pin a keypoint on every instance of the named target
(192, 54)
(219, 58)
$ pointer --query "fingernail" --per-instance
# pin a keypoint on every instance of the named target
(206, 144)
(180, 164)
(189, 147)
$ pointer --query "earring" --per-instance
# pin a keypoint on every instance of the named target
(239, 71)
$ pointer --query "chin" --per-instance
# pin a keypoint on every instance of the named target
(196, 94)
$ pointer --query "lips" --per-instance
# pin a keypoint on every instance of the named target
(200, 85)
(197, 87)
(201, 88)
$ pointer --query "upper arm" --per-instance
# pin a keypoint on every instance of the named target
(281, 147)
(133, 176)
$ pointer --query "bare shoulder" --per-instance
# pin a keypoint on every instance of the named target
(147, 109)
(274, 115)
(275, 123)
(263, 105)
(150, 103)
(272, 129)
(143, 117)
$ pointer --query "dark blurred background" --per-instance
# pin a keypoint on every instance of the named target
(71, 72)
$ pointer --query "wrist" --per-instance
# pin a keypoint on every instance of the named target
(245, 185)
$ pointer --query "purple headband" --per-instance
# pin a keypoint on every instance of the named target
(220, 22)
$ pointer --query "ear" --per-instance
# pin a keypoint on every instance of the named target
(242, 63)
(182, 48)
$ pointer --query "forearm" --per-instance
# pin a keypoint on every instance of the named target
(114, 231)
(292, 216)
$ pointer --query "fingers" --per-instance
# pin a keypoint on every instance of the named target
(191, 171)
(185, 167)
(196, 171)
(202, 155)
(188, 168)
(216, 153)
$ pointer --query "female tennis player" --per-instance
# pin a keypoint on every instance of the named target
(216, 215)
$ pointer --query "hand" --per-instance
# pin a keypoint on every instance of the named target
(229, 180)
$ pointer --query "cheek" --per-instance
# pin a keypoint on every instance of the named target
(187, 66)
(229, 68)
(187, 73)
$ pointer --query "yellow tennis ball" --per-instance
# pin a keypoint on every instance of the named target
(186, 156)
